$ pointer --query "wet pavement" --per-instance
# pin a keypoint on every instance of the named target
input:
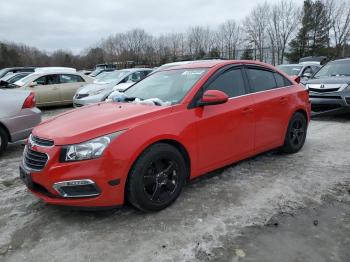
(261, 209)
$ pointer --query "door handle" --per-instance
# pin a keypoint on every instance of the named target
(283, 100)
(247, 110)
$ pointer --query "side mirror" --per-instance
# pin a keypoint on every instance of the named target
(33, 84)
(213, 97)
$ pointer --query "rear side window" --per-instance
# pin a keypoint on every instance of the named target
(261, 80)
(67, 78)
(281, 81)
(230, 82)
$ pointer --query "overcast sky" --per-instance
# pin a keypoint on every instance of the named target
(75, 25)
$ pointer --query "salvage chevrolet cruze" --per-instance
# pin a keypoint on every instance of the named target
(167, 129)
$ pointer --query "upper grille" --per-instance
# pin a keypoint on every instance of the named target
(328, 90)
(41, 141)
(34, 160)
(78, 96)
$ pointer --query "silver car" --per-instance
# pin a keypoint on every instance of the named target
(18, 116)
(103, 86)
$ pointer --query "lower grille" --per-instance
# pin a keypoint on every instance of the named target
(34, 160)
(325, 97)
(347, 99)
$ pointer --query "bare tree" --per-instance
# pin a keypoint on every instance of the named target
(256, 28)
(283, 21)
(339, 15)
(229, 35)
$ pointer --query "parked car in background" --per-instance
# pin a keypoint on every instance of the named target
(11, 78)
(85, 72)
(53, 87)
(18, 116)
(103, 87)
(174, 126)
(98, 71)
(319, 60)
(305, 70)
(330, 87)
(12, 70)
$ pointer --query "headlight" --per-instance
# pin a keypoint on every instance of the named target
(347, 87)
(95, 92)
(87, 150)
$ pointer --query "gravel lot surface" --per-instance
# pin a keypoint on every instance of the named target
(272, 207)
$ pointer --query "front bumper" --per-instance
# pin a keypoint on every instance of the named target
(329, 100)
(99, 171)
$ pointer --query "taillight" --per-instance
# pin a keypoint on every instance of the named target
(30, 101)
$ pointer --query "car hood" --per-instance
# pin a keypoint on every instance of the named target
(85, 89)
(329, 80)
(122, 87)
(93, 121)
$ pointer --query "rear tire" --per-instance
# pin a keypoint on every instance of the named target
(296, 134)
(3, 140)
(157, 177)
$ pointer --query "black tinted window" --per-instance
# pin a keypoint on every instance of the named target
(261, 80)
(230, 82)
(48, 80)
(281, 80)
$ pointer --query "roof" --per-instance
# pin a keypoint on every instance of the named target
(219, 63)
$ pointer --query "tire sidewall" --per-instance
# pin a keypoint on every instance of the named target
(288, 146)
(4, 140)
(136, 186)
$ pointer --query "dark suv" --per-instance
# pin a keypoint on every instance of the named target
(330, 87)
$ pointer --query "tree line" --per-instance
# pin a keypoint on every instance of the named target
(274, 33)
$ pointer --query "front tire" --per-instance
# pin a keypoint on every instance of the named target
(296, 134)
(3, 140)
(156, 179)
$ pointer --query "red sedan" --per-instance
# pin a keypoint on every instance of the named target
(171, 127)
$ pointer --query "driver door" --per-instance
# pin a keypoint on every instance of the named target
(225, 132)
(47, 90)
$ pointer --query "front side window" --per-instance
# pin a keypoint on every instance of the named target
(230, 82)
(168, 86)
(48, 80)
(261, 80)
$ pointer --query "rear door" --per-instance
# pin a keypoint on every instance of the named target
(69, 84)
(271, 95)
(46, 90)
(225, 132)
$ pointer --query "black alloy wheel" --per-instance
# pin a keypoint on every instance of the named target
(157, 177)
(296, 134)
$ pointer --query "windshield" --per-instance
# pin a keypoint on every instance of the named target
(338, 68)
(112, 77)
(292, 70)
(168, 86)
(25, 80)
